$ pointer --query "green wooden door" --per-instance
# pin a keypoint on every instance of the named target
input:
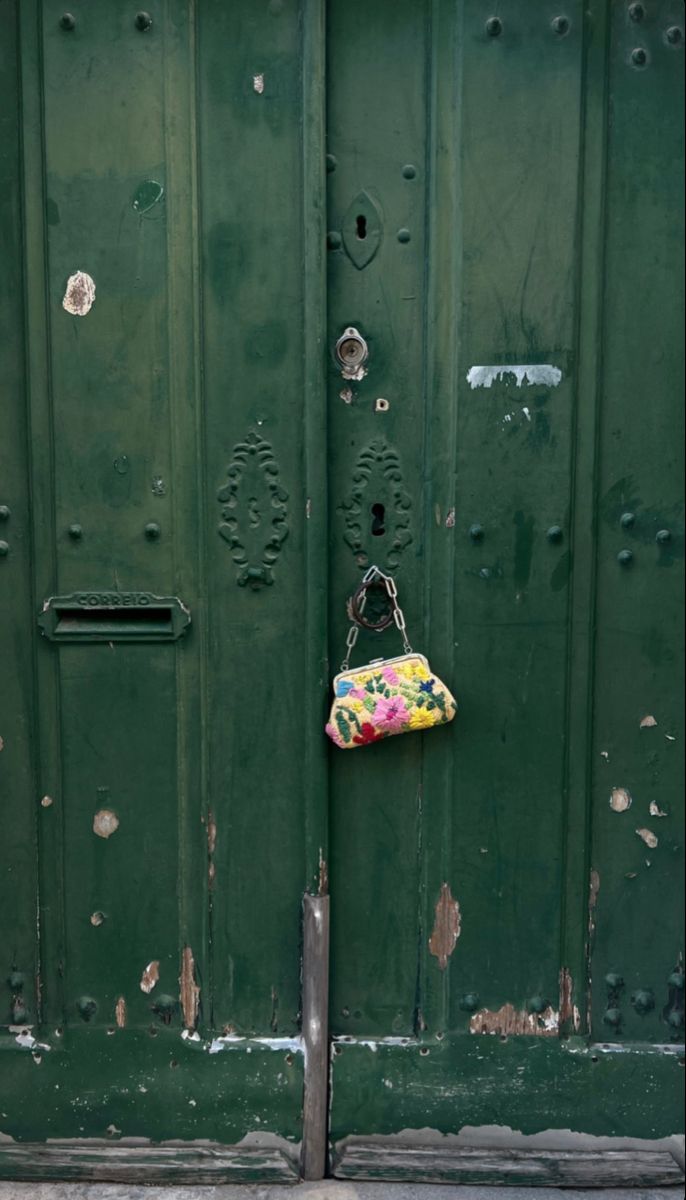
(190, 491)
(505, 941)
(159, 776)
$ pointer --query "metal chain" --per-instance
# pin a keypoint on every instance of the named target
(398, 616)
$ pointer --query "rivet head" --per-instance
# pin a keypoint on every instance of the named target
(75, 532)
(494, 27)
(614, 982)
(67, 21)
(331, 163)
(404, 235)
(87, 1007)
(613, 1017)
(636, 12)
(476, 533)
(536, 1004)
(560, 26)
(5, 512)
(555, 533)
(676, 979)
(4, 549)
(334, 240)
(643, 1001)
(639, 57)
(15, 981)
(625, 557)
(165, 1007)
(674, 35)
(663, 536)
(409, 171)
(469, 1002)
(143, 21)
(676, 1018)
(152, 530)
(627, 520)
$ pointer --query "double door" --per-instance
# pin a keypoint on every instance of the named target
(200, 202)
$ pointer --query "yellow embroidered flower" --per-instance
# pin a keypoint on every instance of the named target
(421, 718)
(405, 669)
(412, 670)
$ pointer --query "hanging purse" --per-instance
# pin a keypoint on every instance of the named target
(388, 695)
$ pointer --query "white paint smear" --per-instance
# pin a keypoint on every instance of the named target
(28, 1042)
(530, 373)
(80, 294)
(231, 1041)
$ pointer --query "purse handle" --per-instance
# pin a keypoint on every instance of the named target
(374, 577)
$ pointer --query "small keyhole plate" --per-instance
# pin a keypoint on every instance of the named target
(352, 353)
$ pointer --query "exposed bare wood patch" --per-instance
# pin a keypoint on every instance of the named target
(648, 722)
(211, 832)
(447, 926)
(105, 823)
(656, 811)
(392, 1158)
(120, 1012)
(509, 1021)
(189, 992)
(568, 1009)
(648, 837)
(323, 876)
(211, 845)
(620, 799)
(150, 976)
(593, 889)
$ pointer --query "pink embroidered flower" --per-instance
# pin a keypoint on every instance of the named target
(359, 693)
(391, 714)
(334, 735)
(390, 676)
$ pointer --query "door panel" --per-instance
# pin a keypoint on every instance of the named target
(468, 880)
(170, 452)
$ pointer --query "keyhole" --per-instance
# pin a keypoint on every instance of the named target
(361, 227)
(378, 514)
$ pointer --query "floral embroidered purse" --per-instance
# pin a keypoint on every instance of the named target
(388, 695)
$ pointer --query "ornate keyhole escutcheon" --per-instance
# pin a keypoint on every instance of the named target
(254, 511)
(377, 511)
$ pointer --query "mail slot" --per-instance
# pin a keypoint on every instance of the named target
(101, 616)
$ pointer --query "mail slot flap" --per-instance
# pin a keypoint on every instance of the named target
(114, 617)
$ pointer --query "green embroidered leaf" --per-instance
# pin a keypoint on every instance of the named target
(351, 715)
(343, 727)
(369, 704)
